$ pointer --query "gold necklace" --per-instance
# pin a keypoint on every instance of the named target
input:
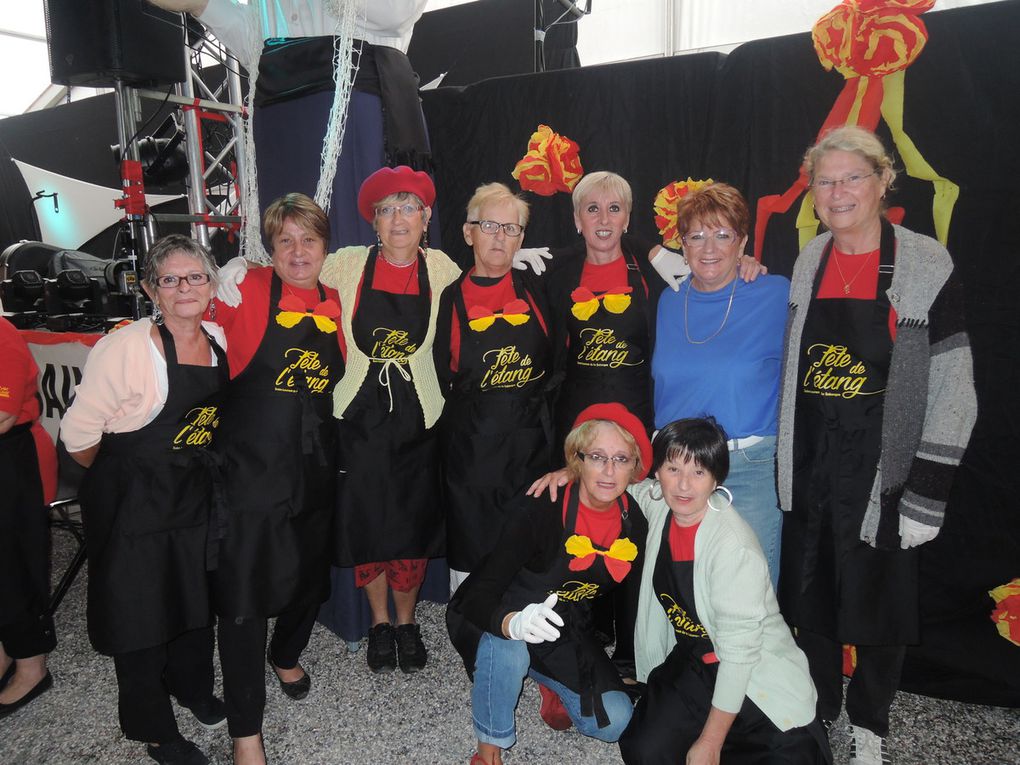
(687, 295)
(847, 284)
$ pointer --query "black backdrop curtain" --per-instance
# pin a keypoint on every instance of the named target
(747, 118)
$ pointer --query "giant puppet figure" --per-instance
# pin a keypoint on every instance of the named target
(334, 99)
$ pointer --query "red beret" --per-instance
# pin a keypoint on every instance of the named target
(393, 180)
(622, 416)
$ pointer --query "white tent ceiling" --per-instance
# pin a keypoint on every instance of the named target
(617, 30)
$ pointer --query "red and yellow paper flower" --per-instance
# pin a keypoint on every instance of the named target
(586, 303)
(516, 312)
(871, 38)
(871, 43)
(552, 163)
(293, 309)
(665, 209)
(1006, 613)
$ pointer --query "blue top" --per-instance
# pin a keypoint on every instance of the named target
(734, 376)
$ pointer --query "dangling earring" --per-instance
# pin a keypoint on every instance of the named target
(729, 497)
(212, 310)
(157, 314)
(378, 241)
(425, 237)
(651, 490)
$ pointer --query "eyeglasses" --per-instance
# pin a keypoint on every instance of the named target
(601, 460)
(388, 211)
(850, 182)
(170, 281)
(696, 239)
(490, 227)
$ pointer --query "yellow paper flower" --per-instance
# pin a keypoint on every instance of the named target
(665, 209)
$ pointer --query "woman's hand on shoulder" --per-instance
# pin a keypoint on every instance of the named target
(551, 481)
(750, 269)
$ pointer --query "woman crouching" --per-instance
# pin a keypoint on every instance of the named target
(725, 679)
(526, 609)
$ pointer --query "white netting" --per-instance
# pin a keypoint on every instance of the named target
(346, 13)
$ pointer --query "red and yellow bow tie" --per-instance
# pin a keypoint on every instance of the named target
(515, 312)
(616, 300)
(293, 309)
(618, 557)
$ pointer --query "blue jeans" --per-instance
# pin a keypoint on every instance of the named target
(500, 668)
(752, 480)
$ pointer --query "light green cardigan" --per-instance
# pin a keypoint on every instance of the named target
(342, 271)
(735, 602)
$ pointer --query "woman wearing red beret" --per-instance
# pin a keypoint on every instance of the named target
(388, 519)
(526, 609)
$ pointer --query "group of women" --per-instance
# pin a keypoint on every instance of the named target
(239, 446)
(857, 376)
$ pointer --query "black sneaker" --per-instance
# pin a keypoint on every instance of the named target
(211, 713)
(180, 751)
(382, 648)
(411, 649)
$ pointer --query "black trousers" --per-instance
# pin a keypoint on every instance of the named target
(29, 636)
(671, 714)
(146, 680)
(872, 687)
(243, 656)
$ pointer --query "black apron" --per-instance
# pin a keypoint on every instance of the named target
(496, 428)
(678, 699)
(277, 441)
(608, 358)
(387, 505)
(833, 583)
(146, 505)
(577, 659)
(24, 529)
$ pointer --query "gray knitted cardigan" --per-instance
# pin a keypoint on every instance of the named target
(930, 404)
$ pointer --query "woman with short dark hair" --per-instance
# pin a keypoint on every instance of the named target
(725, 680)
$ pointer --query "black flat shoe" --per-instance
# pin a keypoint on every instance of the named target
(210, 713)
(180, 751)
(298, 689)
(38, 690)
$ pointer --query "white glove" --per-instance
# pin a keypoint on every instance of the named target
(914, 533)
(532, 624)
(534, 257)
(229, 276)
(672, 267)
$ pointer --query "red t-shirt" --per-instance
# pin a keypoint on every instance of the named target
(601, 527)
(245, 325)
(862, 271)
(681, 541)
(605, 277)
(18, 385)
(490, 294)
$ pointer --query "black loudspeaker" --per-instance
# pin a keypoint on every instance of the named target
(94, 43)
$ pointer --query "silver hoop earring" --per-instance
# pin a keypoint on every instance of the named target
(651, 491)
(729, 498)
(157, 314)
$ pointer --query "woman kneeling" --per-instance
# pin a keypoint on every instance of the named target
(526, 609)
(726, 682)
